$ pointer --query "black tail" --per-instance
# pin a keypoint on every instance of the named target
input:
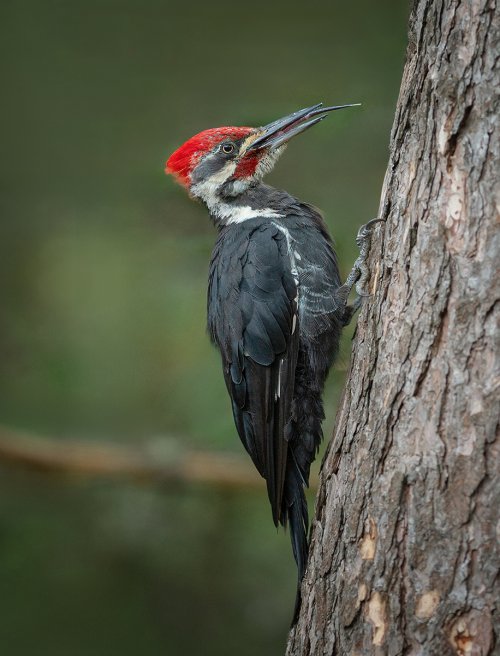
(295, 507)
(304, 440)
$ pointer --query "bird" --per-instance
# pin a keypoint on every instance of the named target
(275, 305)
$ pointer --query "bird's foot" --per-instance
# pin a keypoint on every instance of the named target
(359, 272)
(363, 240)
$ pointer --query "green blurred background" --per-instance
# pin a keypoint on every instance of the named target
(103, 268)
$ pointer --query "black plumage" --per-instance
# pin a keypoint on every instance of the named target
(273, 313)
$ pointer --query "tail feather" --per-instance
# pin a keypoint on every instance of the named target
(304, 440)
(295, 512)
(304, 437)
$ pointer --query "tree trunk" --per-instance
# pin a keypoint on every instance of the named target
(404, 554)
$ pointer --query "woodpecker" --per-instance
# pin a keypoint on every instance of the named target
(276, 304)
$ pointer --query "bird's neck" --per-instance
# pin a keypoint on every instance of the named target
(258, 201)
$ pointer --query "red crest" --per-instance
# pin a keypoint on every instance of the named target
(184, 159)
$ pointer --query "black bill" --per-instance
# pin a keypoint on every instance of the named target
(279, 132)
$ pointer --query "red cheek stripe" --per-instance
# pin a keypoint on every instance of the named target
(247, 166)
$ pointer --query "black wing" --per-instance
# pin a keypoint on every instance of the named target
(252, 316)
(319, 276)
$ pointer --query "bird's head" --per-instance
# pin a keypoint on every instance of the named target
(225, 162)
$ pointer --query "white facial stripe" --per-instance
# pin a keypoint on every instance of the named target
(226, 212)
(215, 180)
(208, 189)
(229, 213)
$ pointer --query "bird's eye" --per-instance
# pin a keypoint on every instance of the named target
(227, 148)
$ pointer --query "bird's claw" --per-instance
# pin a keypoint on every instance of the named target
(359, 273)
(364, 234)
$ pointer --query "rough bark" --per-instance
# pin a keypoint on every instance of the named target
(404, 555)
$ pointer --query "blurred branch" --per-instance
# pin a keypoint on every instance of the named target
(86, 459)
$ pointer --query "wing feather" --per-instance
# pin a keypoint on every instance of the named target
(254, 329)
